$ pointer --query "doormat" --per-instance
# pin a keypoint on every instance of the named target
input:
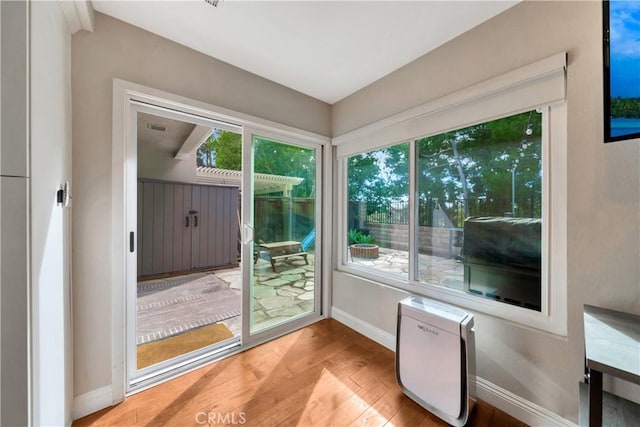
(168, 348)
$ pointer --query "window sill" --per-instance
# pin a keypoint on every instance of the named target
(521, 317)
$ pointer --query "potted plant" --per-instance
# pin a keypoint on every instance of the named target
(362, 245)
(354, 236)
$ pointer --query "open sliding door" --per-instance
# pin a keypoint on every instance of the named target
(281, 219)
(183, 299)
(217, 222)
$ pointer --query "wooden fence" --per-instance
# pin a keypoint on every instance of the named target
(278, 219)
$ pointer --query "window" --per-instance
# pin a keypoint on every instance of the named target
(463, 211)
(479, 198)
(378, 210)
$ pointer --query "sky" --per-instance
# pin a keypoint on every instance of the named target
(624, 29)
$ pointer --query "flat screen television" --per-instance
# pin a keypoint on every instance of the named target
(621, 54)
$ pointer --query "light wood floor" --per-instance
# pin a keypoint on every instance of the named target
(325, 374)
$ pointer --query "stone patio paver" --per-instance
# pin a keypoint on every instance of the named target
(260, 292)
(275, 282)
(448, 272)
(278, 301)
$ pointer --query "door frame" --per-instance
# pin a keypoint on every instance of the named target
(124, 163)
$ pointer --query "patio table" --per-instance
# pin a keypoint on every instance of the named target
(284, 250)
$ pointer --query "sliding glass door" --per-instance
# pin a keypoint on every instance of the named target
(221, 244)
(282, 220)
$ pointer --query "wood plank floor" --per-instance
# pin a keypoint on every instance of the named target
(325, 374)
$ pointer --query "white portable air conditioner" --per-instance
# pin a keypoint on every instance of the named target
(435, 357)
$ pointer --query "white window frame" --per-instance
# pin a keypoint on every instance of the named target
(537, 86)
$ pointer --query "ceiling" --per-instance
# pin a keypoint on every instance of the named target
(326, 49)
(165, 134)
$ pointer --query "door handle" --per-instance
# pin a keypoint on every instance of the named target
(248, 234)
(186, 221)
(131, 241)
(195, 220)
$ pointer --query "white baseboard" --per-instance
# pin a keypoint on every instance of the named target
(368, 330)
(92, 401)
(516, 406)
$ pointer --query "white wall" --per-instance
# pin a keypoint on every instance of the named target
(50, 224)
(156, 163)
(119, 50)
(603, 188)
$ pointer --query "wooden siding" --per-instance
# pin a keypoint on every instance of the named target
(185, 226)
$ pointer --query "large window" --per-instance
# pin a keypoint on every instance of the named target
(479, 198)
(472, 209)
(478, 221)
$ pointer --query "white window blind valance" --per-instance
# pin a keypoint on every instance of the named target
(526, 88)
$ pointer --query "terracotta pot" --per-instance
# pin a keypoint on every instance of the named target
(364, 250)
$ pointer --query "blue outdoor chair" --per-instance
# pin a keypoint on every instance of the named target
(308, 240)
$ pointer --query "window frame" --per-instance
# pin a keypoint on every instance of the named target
(553, 315)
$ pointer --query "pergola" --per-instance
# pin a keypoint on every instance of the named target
(263, 183)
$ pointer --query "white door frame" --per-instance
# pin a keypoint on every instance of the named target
(124, 164)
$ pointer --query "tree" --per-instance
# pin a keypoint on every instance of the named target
(628, 108)
(464, 172)
(477, 165)
(276, 158)
(468, 171)
(222, 149)
(206, 155)
(379, 176)
(364, 177)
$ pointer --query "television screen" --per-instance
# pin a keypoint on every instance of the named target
(621, 20)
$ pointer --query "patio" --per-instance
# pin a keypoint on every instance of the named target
(448, 272)
(171, 306)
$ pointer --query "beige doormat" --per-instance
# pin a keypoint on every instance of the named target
(168, 348)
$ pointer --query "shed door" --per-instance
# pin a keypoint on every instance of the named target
(185, 226)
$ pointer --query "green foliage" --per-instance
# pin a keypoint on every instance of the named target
(276, 158)
(476, 163)
(625, 108)
(367, 239)
(380, 175)
(470, 164)
(222, 150)
(473, 166)
(228, 148)
(356, 236)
